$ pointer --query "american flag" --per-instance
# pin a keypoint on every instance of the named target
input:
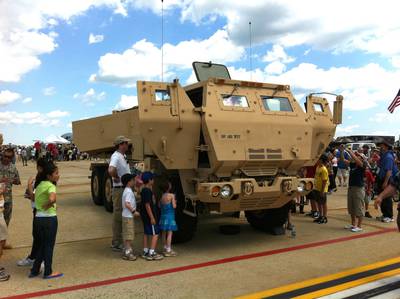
(395, 103)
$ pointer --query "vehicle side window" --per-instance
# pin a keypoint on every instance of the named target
(234, 101)
(162, 95)
(318, 107)
(276, 104)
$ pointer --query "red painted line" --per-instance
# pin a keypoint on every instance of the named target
(195, 266)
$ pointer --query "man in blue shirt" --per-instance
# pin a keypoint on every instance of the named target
(343, 158)
(386, 174)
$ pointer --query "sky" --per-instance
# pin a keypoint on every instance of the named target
(62, 61)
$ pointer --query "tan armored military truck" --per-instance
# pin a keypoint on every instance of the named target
(226, 145)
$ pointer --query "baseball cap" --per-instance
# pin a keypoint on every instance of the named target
(384, 141)
(121, 139)
(126, 178)
(147, 176)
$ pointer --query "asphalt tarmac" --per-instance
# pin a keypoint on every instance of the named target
(212, 265)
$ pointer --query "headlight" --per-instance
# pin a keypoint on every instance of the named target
(226, 191)
(215, 191)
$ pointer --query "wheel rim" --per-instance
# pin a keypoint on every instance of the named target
(108, 190)
(96, 186)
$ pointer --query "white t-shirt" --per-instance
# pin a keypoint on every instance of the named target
(118, 161)
(128, 196)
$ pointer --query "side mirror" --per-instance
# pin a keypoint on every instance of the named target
(338, 110)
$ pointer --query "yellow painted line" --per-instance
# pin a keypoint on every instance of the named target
(348, 285)
(310, 282)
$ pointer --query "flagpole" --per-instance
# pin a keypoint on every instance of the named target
(250, 54)
(162, 40)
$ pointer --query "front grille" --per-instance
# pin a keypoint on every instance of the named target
(259, 170)
(256, 203)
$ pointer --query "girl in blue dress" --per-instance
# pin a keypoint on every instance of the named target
(167, 219)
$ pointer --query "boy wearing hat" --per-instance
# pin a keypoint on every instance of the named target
(149, 214)
(117, 168)
(128, 211)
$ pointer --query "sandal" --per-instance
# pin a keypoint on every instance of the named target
(4, 276)
(53, 275)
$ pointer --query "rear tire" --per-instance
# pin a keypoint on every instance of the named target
(107, 187)
(269, 220)
(96, 187)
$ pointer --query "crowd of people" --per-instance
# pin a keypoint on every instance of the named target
(52, 151)
(158, 215)
(365, 173)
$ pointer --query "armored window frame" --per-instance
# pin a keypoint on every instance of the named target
(318, 107)
(268, 108)
(157, 100)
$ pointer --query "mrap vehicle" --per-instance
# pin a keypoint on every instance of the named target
(226, 145)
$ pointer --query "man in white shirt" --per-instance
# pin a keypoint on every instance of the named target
(117, 168)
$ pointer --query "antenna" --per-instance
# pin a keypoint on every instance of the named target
(162, 40)
(250, 54)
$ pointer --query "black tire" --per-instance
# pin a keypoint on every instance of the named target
(96, 186)
(269, 220)
(187, 224)
(107, 189)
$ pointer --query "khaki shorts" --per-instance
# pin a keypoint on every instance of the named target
(3, 228)
(128, 229)
(355, 201)
(342, 172)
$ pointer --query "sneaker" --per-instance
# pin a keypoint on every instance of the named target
(154, 256)
(387, 220)
(356, 229)
(144, 255)
(169, 253)
(349, 226)
(289, 226)
(129, 256)
(117, 248)
(315, 215)
(25, 262)
(368, 215)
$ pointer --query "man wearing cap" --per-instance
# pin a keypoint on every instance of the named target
(117, 168)
(386, 174)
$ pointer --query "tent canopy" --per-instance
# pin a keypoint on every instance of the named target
(56, 139)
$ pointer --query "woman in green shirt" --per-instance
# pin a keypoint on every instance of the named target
(46, 222)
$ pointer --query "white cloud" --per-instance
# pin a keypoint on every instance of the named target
(57, 114)
(346, 129)
(126, 102)
(24, 35)
(69, 125)
(26, 100)
(90, 97)
(49, 91)
(7, 97)
(29, 118)
(386, 117)
(278, 54)
(143, 60)
(331, 25)
(275, 67)
(94, 39)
